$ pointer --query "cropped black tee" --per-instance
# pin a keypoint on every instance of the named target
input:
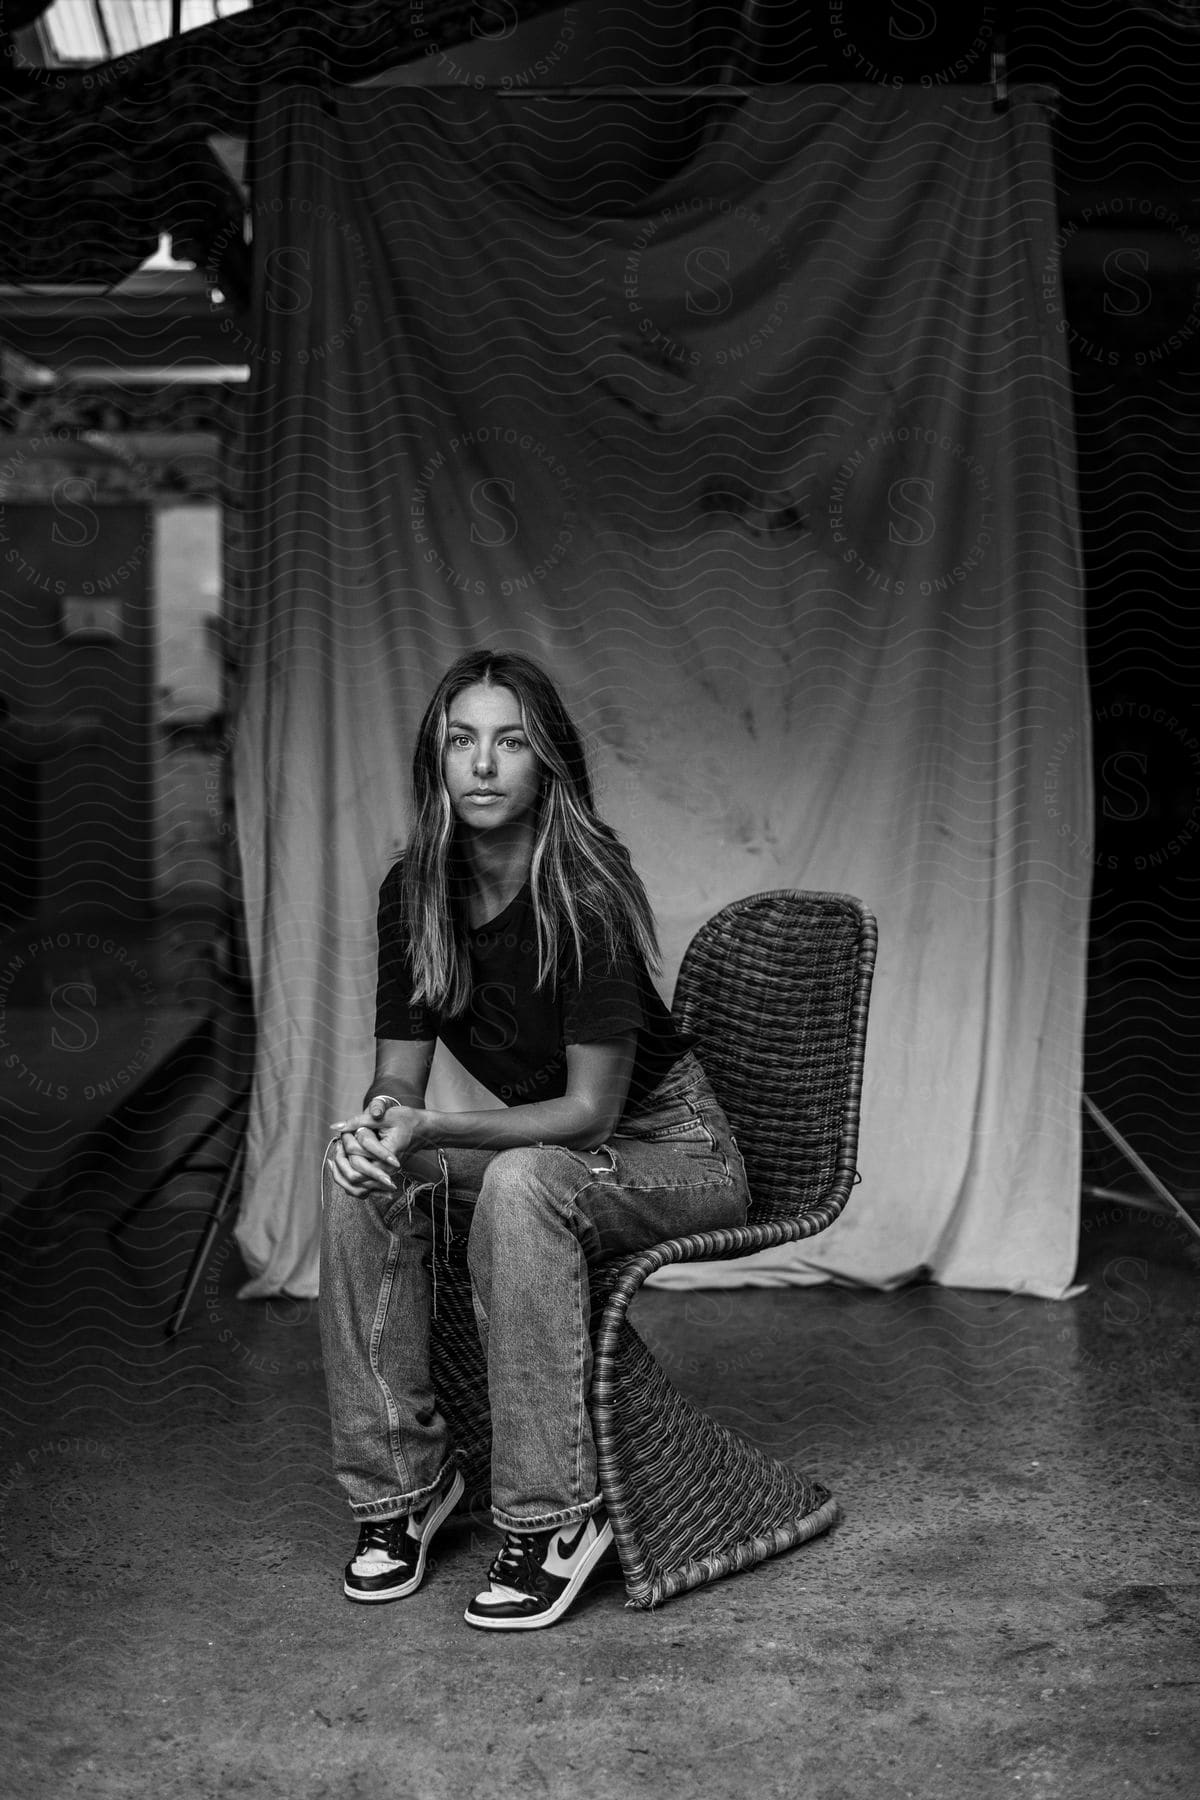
(513, 1037)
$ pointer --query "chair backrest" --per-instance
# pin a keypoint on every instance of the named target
(775, 990)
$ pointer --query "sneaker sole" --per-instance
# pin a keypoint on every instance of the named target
(554, 1612)
(437, 1518)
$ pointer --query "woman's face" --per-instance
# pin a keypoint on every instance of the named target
(492, 776)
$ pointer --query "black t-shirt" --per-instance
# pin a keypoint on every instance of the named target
(513, 1036)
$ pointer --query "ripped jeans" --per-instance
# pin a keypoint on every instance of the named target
(533, 1218)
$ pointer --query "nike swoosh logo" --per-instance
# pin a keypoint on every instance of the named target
(564, 1549)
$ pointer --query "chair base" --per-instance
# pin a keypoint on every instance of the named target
(689, 1500)
(745, 1554)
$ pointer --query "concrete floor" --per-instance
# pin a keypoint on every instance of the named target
(1009, 1606)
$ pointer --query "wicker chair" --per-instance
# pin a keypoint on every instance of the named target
(775, 991)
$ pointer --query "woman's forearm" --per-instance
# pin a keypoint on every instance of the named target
(574, 1122)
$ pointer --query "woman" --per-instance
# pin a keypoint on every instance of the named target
(515, 930)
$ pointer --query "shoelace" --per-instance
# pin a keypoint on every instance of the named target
(519, 1558)
(382, 1534)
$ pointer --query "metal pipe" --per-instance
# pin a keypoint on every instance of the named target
(539, 91)
(682, 90)
(1137, 1203)
(1143, 1168)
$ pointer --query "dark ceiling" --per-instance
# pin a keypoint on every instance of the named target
(1128, 133)
(1128, 70)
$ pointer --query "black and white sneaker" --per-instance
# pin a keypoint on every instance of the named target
(390, 1560)
(538, 1575)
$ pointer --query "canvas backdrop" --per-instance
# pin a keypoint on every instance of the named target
(773, 468)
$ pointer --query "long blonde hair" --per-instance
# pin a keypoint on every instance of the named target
(581, 876)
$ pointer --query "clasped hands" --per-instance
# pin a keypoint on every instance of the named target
(364, 1148)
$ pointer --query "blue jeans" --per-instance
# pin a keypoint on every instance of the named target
(534, 1218)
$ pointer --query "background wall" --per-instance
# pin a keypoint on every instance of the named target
(81, 701)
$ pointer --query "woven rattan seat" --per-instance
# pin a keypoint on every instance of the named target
(775, 990)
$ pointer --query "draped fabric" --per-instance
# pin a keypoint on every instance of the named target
(773, 469)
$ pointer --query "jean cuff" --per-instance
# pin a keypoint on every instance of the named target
(550, 1521)
(395, 1506)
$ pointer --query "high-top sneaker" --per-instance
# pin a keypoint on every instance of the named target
(538, 1575)
(390, 1559)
